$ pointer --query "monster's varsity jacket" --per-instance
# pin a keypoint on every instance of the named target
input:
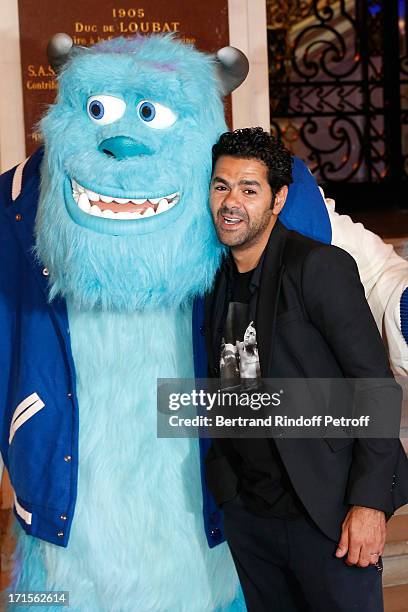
(40, 447)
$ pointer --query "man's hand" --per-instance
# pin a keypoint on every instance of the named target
(362, 536)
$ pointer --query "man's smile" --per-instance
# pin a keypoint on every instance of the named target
(229, 222)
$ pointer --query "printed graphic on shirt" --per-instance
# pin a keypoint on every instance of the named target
(239, 350)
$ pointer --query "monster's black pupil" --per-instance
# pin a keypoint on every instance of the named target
(96, 110)
(146, 111)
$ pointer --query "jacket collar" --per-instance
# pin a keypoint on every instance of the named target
(214, 314)
(269, 282)
(22, 214)
(268, 296)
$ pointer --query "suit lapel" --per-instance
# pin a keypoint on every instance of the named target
(214, 314)
(268, 296)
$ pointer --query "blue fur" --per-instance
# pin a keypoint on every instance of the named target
(137, 535)
(137, 542)
(149, 262)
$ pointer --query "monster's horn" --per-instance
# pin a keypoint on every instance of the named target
(58, 50)
(232, 68)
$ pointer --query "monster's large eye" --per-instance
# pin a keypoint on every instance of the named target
(105, 109)
(156, 115)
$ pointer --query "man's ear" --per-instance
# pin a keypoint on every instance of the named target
(280, 200)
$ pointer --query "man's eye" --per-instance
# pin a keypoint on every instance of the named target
(249, 191)
(220, 188)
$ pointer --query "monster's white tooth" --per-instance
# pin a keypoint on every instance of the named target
(77, 187)
(96, 211)
(106, 199)
(163, 206)
(92, 195)
(83, 203)
(121, 200)
(124, 215)
(138, 200)
(149, 212)
(75, 195)
(171, 196)
(108, 213)
(154, 200)
(174, 202)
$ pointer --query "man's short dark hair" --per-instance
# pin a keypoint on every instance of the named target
(255, 143)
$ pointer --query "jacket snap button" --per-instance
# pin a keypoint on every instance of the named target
(67, 458)
(69, 394)
(202, 330)
(63, 517)
(18, 217)
(46, 272)
(60, 534)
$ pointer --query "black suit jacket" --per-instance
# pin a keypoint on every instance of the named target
(313, 321)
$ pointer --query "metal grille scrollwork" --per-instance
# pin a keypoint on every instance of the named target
(330, 86)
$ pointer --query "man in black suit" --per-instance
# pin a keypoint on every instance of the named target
(305, 519)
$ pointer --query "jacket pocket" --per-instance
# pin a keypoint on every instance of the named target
(25, 411)
(289, 315)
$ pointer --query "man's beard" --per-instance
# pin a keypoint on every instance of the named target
(251, 232)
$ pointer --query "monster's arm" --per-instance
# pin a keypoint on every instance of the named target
(384, 276)
(10, 188)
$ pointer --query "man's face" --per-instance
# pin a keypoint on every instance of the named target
(240, 199)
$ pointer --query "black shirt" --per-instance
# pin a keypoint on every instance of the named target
(264, 484)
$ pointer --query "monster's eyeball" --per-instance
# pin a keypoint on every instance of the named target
(105, 109)
(147, 111)
(156, 115)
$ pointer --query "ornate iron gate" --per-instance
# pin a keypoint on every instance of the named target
(338, 77)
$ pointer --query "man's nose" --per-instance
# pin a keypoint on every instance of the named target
(231, 199)
(123, 147)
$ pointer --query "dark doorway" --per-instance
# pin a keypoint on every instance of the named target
(338, 79)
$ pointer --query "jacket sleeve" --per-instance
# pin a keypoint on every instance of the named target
(384, 276)
(335, 302)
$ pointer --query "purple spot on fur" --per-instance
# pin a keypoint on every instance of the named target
(164, 67)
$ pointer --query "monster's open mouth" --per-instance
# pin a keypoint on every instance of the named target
(113, 207)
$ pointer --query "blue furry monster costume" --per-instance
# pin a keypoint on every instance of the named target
(124, 236)
(124, 230)
(123, 243)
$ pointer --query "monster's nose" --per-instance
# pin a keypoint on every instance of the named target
(122, 147)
